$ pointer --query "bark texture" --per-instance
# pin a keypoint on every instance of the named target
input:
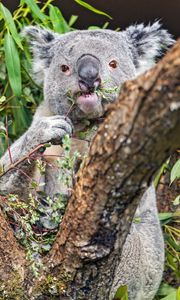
(12, 262)
(140, 131)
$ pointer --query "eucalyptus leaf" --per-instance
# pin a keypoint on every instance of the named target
(170, 260)
(35, 9)
(176, 200)
(57, 20)
(172, 243)
(175, 172)
(72, 20)
(165, 289)
(121, 293)
(161, 171)
(13, 64)
(2, 100)
(171, 296)
(90, 7)
(93, 27)
(105, 25)
(165, 216)
(21, 115)
(178, 294)
(2, 134)
(10, 24)
(2, 103)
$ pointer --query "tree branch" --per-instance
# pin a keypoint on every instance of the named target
(12, 256)
(22, 159)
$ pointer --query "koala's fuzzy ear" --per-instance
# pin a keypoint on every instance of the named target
(147, 43)
(41, 41)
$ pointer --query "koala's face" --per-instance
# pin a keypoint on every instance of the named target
(86, 71)
(82, 71)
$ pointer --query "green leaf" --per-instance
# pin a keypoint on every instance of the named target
(10, 24)
(2, 127)
(121, 293)
(165, 289)
(35, 9)
(170, 261)
(13, 64)
(178, 294)
(90, 7)
(22, 118)
(2, 100)
(57, 20)
(72, 20)
(176, 201)
(137, 220)
(175, 172)
(161, 171)
(105, 25)
(171, 296)
(165, 216)
(93, 27)
(172, 243)
(34, 184)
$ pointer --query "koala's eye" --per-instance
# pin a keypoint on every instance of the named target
(113, 64)
(65, 69)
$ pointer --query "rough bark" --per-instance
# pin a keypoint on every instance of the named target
(12, 261)
(140, 131)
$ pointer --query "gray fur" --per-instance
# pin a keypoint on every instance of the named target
(148, 43)
(142, 259)
(135, 51)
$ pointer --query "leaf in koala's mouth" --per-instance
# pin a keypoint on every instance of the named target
(87, 102)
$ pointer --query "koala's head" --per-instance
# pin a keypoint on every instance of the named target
(87, 68)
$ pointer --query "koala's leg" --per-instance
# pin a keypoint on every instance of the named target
(142, 258)
(44, 129)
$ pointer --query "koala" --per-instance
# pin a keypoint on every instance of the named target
(81, 72)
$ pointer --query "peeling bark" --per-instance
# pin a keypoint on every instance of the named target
(12, 261)
(140, 131)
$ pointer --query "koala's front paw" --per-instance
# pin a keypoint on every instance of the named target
(52, 129)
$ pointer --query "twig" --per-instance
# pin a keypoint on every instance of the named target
(7, 140)
(15, 164)
(70, 109)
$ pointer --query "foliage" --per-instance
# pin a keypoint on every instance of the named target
(67, 163)
(166, 292)
(36, 222)
(19, 94)
(121, 293)
(90, 7)
(175, 172)
(170, 224)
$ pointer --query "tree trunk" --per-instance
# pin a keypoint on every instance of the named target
(140, 131)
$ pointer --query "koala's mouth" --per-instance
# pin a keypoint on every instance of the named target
(88, 102)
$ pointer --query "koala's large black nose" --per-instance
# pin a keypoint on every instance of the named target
(88, 72)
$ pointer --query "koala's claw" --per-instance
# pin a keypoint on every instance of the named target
(51, 129)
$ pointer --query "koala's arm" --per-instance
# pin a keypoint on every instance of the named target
(142, 259)
(15, 180)
(43, 130)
